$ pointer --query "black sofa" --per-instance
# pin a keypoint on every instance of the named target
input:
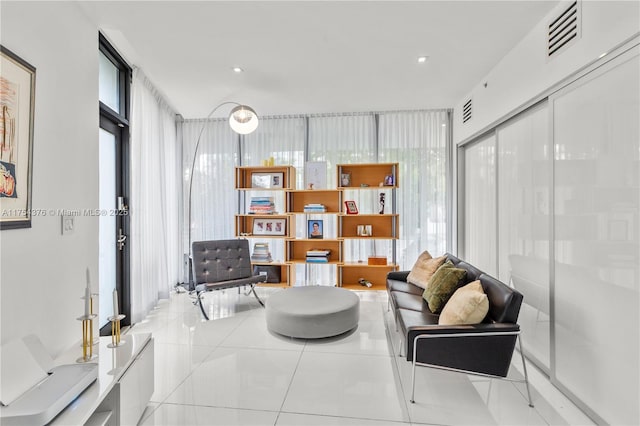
(484, 349)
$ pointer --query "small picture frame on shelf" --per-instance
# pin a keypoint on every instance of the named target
(351, 207)
(267, 180)
(345, 179)
(315, 229)
(389, 180)
(364, 231)
(276, 227)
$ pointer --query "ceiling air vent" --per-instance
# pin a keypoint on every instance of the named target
(564, 29)
(466, 111)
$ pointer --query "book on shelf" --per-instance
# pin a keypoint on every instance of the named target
(262, 205)
(261, 253)
(317, 259)
(318, 256)
(318, 252)
(315, 208)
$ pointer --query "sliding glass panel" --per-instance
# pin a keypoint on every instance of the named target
(480, 205)
(597, 253)
(524, 179)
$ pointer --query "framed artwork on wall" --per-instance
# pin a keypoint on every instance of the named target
(17, 103)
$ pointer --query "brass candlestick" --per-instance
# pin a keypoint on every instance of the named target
(115, 331)
(87, 338)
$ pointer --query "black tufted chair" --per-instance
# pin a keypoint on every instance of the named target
(221, 264)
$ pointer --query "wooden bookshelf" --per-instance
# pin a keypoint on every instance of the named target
(331, 198)
(282, 177)
(371, 175)
(249, 180)
(383, 226)
(351, 272)
(367, 177)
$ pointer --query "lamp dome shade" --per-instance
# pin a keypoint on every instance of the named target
(243, 119)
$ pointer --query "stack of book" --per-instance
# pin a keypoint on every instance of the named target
(318, 256)
(262, 205)
(261, 253)
(315, 208)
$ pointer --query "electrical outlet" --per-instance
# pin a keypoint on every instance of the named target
(68, 225)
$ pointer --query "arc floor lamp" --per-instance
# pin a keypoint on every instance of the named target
(242, 120)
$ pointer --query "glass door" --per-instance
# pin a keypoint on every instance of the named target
(114, 82)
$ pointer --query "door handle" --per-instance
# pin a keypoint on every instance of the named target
(121, 239)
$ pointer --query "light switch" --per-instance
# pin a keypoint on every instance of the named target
(68, 225)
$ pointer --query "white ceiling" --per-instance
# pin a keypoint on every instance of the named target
(303, 57)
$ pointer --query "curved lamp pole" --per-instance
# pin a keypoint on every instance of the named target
(243, 120)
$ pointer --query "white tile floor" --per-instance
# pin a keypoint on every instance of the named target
(233, 371)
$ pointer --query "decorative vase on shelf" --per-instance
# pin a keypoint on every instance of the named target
(382, 203)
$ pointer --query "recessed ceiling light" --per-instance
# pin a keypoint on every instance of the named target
(422, 59)
(237, 70)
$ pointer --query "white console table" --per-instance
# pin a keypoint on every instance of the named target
(123, 388)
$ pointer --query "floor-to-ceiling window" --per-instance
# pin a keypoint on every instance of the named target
(113, 266)
(418, 140)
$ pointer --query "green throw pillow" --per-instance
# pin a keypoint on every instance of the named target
(442, 285)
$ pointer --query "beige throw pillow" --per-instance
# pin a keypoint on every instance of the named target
(468, 305)
(424, 269)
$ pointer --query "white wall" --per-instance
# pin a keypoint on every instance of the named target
(525, 72)
(42, 272)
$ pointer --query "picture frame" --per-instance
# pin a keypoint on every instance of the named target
(364, 230)
(389, 180)
(315, 175)
(17, 84)
(345, 179)
(315, 229)
(351, 207)
(267, 180)
(275, 227)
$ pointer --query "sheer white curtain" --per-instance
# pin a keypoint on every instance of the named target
(419, 142)
(342, 139)
(213, 200)
(155, 198)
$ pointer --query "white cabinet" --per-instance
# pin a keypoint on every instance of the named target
(124, 386)
(136, 387)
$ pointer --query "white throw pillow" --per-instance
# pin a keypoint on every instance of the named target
(468, 305)
(424, 269)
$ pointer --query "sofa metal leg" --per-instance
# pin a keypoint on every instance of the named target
(413, 374)
(199, 297)
(524, 367)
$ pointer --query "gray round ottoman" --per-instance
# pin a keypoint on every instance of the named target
(312, 312)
